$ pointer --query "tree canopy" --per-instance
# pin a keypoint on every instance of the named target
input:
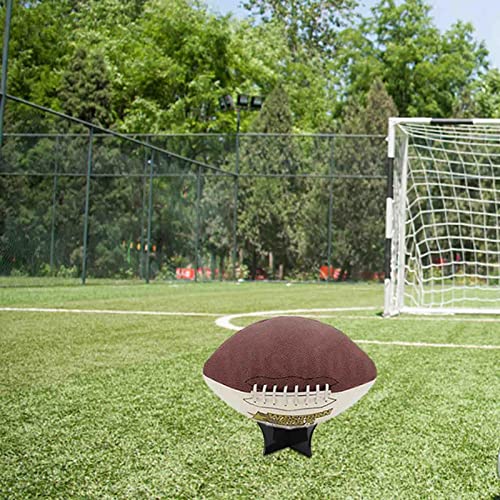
(167, 61)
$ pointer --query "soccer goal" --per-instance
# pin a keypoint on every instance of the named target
(443, 216)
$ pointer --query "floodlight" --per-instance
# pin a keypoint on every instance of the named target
(243, 101)
(256, 102)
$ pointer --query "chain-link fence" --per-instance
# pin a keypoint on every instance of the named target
(192, 207)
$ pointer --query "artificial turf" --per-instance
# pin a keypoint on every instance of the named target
(115, 406)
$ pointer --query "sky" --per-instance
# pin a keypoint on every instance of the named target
(483, 14)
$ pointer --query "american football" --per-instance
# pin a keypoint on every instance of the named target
(289, 372)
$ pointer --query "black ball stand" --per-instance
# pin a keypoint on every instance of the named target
(276, 438)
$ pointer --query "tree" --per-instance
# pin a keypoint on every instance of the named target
(426, 73)
(314, 33)
(359, 202)
(443, 82)
(267, 204)
(86, 89)
(217, 219)
(312, 25)
(486, 100)
(174, 67)
(39, 42)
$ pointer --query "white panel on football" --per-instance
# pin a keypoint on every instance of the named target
(293, 410)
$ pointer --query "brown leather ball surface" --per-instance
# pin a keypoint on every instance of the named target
(290, 351)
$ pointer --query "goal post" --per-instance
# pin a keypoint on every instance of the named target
(442, 247)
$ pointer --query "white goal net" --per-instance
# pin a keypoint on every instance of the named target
(443, 217)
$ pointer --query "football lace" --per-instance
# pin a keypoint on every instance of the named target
(309, 395)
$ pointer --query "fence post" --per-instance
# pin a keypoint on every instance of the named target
(236, 189)
(150, 214)
(54, 197)
(142, 273)
(330, 208)
(87, 201)
(5, 58)
(198, 224)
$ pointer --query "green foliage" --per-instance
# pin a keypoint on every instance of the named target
(161, 65)
(183, 51)
(85, 91)
(276, 116)
(426, 72)
(308, 24)
(217, 208)
(487, 99)
(267, 206)
(359, 233)
(39, 43)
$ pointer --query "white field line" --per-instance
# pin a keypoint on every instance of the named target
(404, 318)
(427, 344)
(226, 322)
(107, 311)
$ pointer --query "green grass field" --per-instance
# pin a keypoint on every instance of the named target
(114, 405)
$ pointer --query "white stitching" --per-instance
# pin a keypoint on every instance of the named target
(307, 394)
